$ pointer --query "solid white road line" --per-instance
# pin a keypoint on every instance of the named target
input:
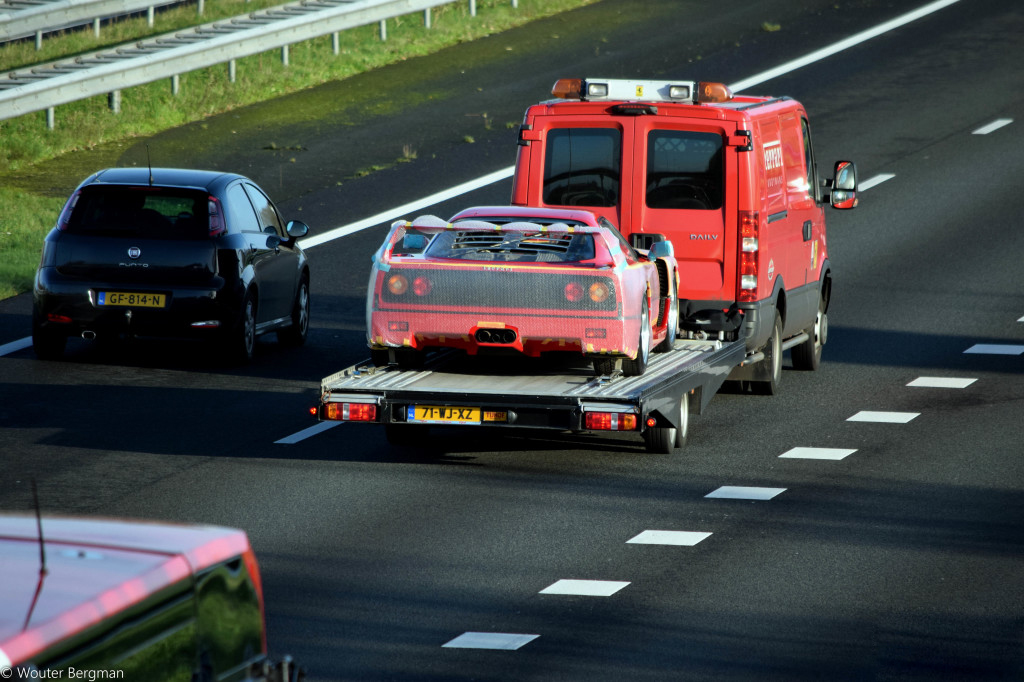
(585, 588)
(15, 346)
(503, 641)
(884, 417)
(993, 126)
(835, 454)
(941, 382)
(734, 492)
(834, 48)
(874, 181)
(678, 538)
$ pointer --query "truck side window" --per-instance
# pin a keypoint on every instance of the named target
(812, 181)
(582, 167)
(684, 170)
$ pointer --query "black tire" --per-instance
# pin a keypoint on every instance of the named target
(48, 345)
(672, 323)
(604, 366)
(668, 440)
(242, 343)
(296, 334)
(409, 358)
(638, 365)
(807, 356)
(380, 357)
(773, 361)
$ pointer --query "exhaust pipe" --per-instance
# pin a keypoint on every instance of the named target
(496, 336)
(89, 335)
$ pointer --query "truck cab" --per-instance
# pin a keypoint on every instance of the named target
(730, 180)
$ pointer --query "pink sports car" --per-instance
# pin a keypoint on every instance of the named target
(532, 280)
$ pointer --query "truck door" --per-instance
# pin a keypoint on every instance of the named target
(804, 215)
(681, 169)
(585, 165)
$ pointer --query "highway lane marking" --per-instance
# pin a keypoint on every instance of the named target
(884, 417)
(844, 44)
(834, 454)
(941, 382)
(503, 641)
(995, 349)
(993, 126)
(307, 433)
(678, 538)
(585, 588)
(15, 346)
(735, 492)
(874, 181)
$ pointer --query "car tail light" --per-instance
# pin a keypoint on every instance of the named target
(216, 217)
(593, 333)
(61, 319)
(421, 286)
(398, 326)
(398, 284)
(748, 262)
(610, 421)
(598, 292)
(573, 292)
(65, 215)
(351, 412)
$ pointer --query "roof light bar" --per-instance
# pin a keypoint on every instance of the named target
(597, 89)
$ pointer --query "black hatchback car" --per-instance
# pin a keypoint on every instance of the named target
(172, 253)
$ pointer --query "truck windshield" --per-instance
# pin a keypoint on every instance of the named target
(684, 170)
(582, 167)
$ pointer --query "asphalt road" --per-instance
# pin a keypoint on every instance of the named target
(895, 552)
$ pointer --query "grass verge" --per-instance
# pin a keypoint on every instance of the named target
(25, 141)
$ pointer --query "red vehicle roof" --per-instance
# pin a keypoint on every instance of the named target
(94, 568)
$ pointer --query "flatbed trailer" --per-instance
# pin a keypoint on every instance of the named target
(561, 393)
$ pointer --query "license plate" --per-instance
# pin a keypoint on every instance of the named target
(443, 414)
(124, 298)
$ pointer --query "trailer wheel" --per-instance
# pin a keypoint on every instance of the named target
(667, 440)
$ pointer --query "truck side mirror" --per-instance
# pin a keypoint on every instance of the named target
(844, 185)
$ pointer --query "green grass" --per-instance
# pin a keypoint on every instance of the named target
(145, 110)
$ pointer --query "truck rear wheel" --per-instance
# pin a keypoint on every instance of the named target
(773, 362)
(665, 440)
(807, 356)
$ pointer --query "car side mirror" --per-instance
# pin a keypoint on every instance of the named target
(844, 185)
(296, 229)
(662, 249)
(414, 242)
(273, 241)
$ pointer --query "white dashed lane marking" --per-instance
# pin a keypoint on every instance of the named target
(874, 181)
(993, 126)
(585, 588)
(818, 453)
(995, 349)
(680, 538)
(503, 641)
(884, 417)
(941, 382)
(734, 492)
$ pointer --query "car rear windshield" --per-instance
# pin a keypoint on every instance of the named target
(512, 246)
(141, 212)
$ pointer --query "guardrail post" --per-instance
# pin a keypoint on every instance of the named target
(175, 84)
(336, 43)
(232, 70)
(284, 55)
(114, 101)
(200, 7)
(472, 8)
(426, 18)
(96, 27)
(150, 16)
(50, 119)
(515, 4)
(39, 40)
(383, 30)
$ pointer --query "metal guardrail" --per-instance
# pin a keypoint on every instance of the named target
(108, 71)
(24, 18)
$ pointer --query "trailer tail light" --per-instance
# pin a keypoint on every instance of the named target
(351, 412)
(216, 224)
(748, 260)
(610, 421)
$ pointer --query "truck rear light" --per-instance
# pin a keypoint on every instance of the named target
(351, 412)
(610, 421)
(216, 224)
(709, 93)
(749, 227)
(398, 284)
(568, 88)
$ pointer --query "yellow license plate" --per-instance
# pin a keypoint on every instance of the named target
(443, 414)
(125, 298)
